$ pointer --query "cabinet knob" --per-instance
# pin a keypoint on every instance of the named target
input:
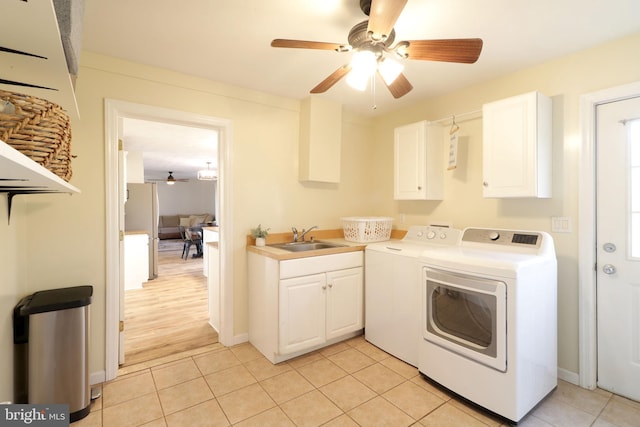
(331, 285)
(324, 287)
(419, 188)
(485, 183)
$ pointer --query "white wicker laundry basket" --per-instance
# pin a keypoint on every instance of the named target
(367, 229)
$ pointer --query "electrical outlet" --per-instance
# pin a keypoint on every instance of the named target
(402, 218)
(561, 224)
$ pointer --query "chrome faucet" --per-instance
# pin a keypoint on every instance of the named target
(301, 236)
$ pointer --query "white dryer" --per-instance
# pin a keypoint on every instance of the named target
(392, 289)
(489, 319)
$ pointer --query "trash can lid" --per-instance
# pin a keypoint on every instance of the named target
(57, 299)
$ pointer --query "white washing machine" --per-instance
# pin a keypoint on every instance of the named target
(392, 289)
(489, 319)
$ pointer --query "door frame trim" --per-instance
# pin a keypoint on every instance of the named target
(114, 110)
(587, 321)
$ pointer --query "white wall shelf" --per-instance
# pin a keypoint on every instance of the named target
(21, 175)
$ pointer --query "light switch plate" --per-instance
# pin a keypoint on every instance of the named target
(561, 224)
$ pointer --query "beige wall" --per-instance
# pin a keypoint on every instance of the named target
(12, 279)
(64, 243)
(58, 240)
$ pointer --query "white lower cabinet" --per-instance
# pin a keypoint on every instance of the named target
(291, 312)
(318, 308)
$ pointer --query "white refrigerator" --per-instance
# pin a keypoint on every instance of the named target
(141, 214)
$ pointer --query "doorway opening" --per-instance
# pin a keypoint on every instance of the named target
(222, 281)
(172, 215)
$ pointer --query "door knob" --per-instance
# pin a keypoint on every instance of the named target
(608, 269)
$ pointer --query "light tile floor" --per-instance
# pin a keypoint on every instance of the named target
(349, 384)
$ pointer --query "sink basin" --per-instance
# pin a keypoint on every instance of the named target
(305, 246)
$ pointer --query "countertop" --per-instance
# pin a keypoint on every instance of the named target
(282, 254)
(331, 236)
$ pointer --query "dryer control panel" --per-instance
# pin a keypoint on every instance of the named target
(532, 239)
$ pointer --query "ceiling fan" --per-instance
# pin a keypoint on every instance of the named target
(372, 41)
(170, 180)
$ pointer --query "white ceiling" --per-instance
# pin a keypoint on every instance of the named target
(169, 147)
(229, 41)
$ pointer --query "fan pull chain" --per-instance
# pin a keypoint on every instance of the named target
(373, 92)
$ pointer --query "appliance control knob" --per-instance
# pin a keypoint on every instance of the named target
(431, 234)
(494, 235)
(443, 236)
(420, 234)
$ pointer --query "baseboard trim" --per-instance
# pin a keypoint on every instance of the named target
(241, 338)
(568, 376)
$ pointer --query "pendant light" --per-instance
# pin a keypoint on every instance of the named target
(207, 174)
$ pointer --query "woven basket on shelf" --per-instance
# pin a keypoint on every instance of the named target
(39, 129)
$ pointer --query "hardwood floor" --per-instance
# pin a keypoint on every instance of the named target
(169, 314)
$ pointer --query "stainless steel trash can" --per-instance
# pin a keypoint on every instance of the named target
(51, 336)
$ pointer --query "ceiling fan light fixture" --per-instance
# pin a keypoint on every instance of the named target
(207, 174)
(170, 179)
(358, 80)
(363, 65)
(364, 61)
(389, 69)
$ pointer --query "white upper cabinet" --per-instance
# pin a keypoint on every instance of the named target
(320, 140)
(418, 161)
(517, 147)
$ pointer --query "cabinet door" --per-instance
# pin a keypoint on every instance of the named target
(410, 162)
(418, 162)
(301, 312)
(517, 147)
(344, 302)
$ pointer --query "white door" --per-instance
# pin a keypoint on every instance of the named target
(618, 246)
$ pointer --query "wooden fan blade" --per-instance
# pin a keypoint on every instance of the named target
(333, 78)
(399, 87)
(383, 16)
(465, 51)
(304, 44)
